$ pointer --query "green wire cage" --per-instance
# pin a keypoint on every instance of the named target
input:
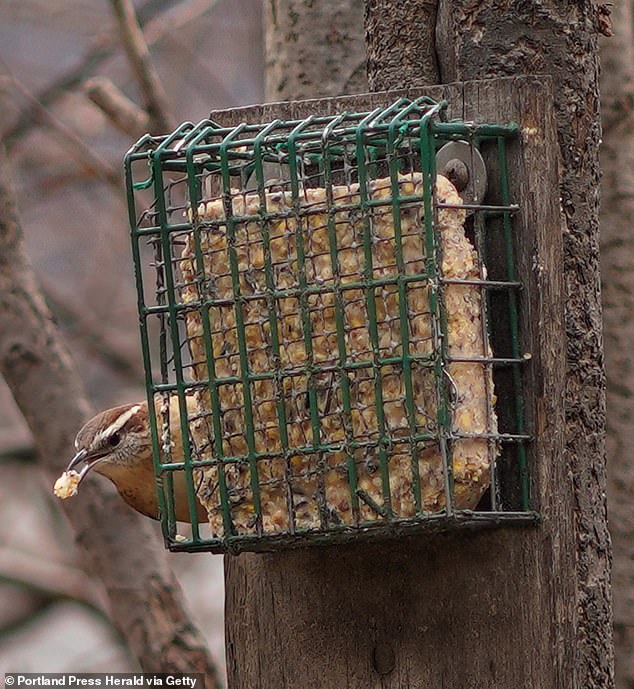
(330, 326)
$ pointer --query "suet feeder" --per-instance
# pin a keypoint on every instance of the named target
(334, 303)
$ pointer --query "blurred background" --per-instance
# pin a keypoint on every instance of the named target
(66, 158)
(67, 165)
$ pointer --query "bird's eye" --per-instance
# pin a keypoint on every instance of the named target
(114, 439)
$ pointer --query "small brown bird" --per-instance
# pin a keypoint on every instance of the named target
(117, 444)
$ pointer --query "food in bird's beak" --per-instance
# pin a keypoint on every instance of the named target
(66, 485)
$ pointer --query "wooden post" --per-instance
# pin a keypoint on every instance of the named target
(479, 609)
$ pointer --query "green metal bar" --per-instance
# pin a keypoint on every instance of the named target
(178, 363)
(133, 156)
(482, 208)
(183, 137)
(372, 317)
(166, 481)
(351, 366)
(487, 367)
(240, 331)
(505, 438)
(145, 341)
(318, 289)
(308, 211)
(392, 158)
(372, 124)
(339, 319)
(212, 380)
(305, 315)
(297, 370)
(513, 322)
(199, 131)
(141, 144)
(176, 135)
(272, 316)
(450, 130)
(462, 520)
(436, 306)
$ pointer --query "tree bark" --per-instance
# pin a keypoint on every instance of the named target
(497, 38)
(401, 43)
(313, 49)
(617, 270)
(120, 547)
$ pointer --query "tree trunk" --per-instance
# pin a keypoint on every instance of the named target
(617, 270)
(401, 43)
(497, 38)
(313, 49)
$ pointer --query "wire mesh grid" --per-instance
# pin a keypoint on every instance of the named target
(330, 330)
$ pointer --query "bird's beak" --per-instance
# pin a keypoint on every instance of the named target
(83, 456)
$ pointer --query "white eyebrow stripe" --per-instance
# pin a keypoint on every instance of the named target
(117, 424)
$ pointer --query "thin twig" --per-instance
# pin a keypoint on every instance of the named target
(77, 148)
(93, 336)
(101, 49)
(158, 17)
(136, 48)
(124, 114)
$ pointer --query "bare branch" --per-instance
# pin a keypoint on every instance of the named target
(102, 48)
(120, 546)
(93, 336)
(16, 445)
(159, 16)
(90, 162)
(52, 579)
(125, 115)
(141, 64)
(15, 620)
(168, 22)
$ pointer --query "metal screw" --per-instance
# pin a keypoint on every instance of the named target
(457, 172)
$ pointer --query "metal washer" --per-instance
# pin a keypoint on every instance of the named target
(463, 151)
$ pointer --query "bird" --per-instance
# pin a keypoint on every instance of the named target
(117, 444)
